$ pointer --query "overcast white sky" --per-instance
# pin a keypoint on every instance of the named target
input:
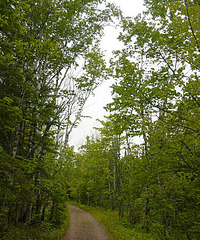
(95, 105)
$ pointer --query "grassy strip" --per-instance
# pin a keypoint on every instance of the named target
(118, 229)
(39, 231)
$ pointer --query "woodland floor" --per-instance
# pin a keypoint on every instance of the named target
(83, 226)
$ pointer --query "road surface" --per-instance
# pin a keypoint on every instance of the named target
(83, 226)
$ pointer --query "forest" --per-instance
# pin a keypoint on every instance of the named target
(145, 160)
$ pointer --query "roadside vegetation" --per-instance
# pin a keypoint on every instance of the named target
(42, 230)
(118, 230)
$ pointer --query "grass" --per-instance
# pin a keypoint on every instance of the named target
(118, 230)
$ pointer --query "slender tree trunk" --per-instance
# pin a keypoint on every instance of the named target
(43, 212)
(15, 141)
(29, 212)
(38, 204)
(146, 213)
(17, 215)
(109, 186)
(130, 213)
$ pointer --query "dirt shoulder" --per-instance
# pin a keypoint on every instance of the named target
(83, 226)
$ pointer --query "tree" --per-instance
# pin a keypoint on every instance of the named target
(156, 96)
(41, 43)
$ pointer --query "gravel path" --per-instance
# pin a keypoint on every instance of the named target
(83, 226)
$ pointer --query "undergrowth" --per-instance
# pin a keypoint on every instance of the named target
(38, 231)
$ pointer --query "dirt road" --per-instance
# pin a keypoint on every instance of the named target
(83, 226)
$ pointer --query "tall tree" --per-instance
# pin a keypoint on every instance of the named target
(156, 96)
(41, 42)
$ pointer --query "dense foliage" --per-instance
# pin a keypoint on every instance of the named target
(156, 104)
(50, 62)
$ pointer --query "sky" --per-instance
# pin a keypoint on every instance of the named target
(95, 104)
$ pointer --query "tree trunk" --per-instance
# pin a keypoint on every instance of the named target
(130, 213)
(17, 215)
(43, 212)
(147, 214)
(15, 141)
